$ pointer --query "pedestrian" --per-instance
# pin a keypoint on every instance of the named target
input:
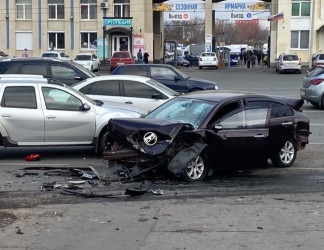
(248, 59)
(259, 55)
(265, 60)
(139, 56)
(253, 60)
(24, 54)
(146, 56)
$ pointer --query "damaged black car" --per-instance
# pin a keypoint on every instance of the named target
(195, 134)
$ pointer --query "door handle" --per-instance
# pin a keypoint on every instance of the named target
(259, 136)
(129, 102)
(5, 115)
(50, 116)
(286, 123)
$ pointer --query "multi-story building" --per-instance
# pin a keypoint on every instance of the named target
(102, 26)
(301, 29)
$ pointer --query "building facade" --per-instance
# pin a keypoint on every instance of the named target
(74, 26)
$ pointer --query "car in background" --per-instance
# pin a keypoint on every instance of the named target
(56, 54)
(312, 89)
(180, 61)
(121, 58)
(144, 93)
(67, 72)
(37, 112)
(194, 60)
(167, 75)
(208, 60)
(196, 132)
(318, 60)
(288, 62)
(2, 54)
(88, 60)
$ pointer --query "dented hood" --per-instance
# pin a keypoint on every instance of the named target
(150, 136)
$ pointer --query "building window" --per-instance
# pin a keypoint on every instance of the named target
(56, 40)
(56, 9)
(299, 39)
(24, 9)
(300, 8)
(88, 9)
(88, 40)
(121, 8)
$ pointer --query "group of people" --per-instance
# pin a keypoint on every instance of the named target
(251, 58)
(141, 57)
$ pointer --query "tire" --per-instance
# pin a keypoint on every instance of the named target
(286, 155)
(276, 69)
(316, 105)
(196, 170)
(322, 102)
(200, 67)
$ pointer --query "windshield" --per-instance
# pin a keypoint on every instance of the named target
(183, 110)
(164, 88)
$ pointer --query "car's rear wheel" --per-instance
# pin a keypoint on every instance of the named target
(200, 67)
(196, 170)
(322, 102)
(315, 104)
(286, 155)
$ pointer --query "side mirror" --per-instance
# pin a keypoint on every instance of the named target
(156, 96)
(218, 127)
(85, 107)
(177, 78)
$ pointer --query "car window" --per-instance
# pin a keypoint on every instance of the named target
(9, 68)
(34, 69)
(290, 58)
(134, 70)
(162, 73)
(19, 97)
(277, 109)
(83, 57)
(139, 90)
(60, 71)
(245, 118)
(207, 54)
(106, 87)
(225, 110)
(56, 99)
(50, 55)
(121, 55)
(321, 57)
(317, 71)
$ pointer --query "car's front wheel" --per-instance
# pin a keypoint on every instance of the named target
(322, 102)
(196, 169)
(286, 155)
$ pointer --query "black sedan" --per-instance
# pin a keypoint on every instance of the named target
(209, 130)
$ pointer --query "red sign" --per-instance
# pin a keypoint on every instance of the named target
(185, 16)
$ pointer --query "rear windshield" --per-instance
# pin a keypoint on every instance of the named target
(317, 71)
(208, 54)
(83, 57)
(290, 58)
(321, 57)
(50, 55)
(121, 55)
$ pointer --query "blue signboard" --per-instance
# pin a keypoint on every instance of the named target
(117, 22)
(208, 48)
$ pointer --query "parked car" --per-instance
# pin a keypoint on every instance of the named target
(167, 75)
(312, 89)
(318, 60)
(139, 91)
(35, 112)
(2, 54)
(194, 60)
(64, 71)
(88, 60)
(121, 58)
(208, 59)
(56, 54)
(193, 133)
(288, 62)
(180, 61)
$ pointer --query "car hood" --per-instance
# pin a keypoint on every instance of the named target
(198, 80)
(150, 136)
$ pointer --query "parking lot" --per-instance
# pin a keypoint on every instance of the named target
(265, 207)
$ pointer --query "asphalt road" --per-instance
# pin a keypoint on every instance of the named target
(259, 208)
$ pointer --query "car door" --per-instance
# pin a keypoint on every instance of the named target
(142, 95)
(21, 114)
(64, 73)
(169, 78)
(240, 136)
(65, 123)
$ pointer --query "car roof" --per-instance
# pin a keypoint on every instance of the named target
(118, 77)
(146, 65)
(17, 59)
(219, 95)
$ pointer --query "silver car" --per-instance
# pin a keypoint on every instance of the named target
(288, 62)
(312, 89)
(35, 112)
(318, 60)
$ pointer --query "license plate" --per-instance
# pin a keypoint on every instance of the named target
(120, 63)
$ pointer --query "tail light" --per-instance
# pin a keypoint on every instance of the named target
(281, 63)
(214, 58)
(299, 63)
(200, 59)
(318, 64)
(316, 81)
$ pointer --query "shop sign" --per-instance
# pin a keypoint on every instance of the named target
(117, 22)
